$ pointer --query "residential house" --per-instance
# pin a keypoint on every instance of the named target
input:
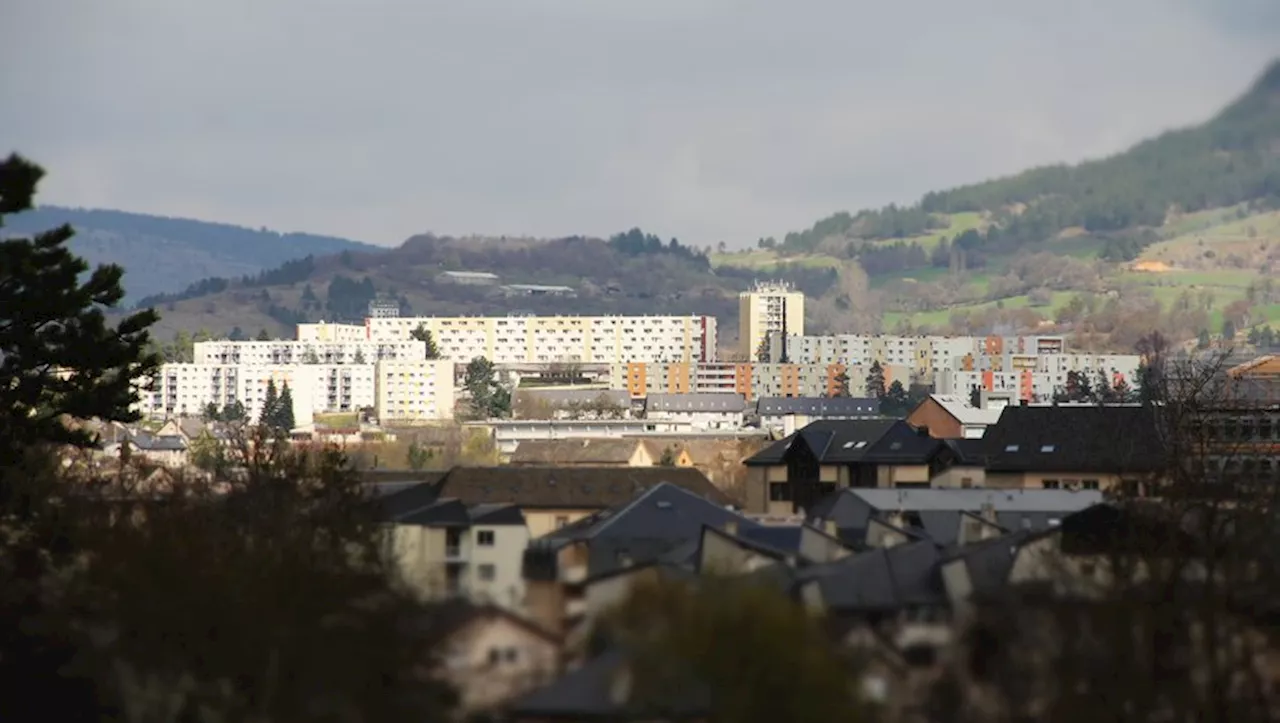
(584, 453)
(576, 571)
(942, 514)
(1069, 447)
(553, 497)
(169, 450)
(493, 655)
(701, 411)
(949, 416)
(791, 413)
(446, 548)
(798, 471)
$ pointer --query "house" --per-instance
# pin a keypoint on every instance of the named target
(943, 515)
(554, 497)
(791, 413)
(719, 458)
(492, 655)
(968, 468)
(584, 453)
(446, 548)
(592, 403)
(949, 416)
(702, 410)
(575, 572)
(799, 470)
(1070, 447)
(169, 450)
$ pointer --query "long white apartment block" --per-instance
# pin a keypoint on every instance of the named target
(186, 389)
(563, 339)
(331, 332)
(924, 354)
(1034, 378)
(285, 352)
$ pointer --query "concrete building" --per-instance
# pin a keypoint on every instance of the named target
(702, 411)
(414, 391)
(768, 307)
(308, 352)
(750, 380)
(1033, 378)
(467, 278)
(560, 339)
(924, 355)
(328, 331)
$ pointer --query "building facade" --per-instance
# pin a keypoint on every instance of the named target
(307, 352)
(750, 380)
(414, 391)
(765, 308)
(559, 339)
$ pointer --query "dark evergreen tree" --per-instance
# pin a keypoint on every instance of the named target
(211, 413)
(58, 355)
(284, 421)
(895, 402)
(422, 334)
(270, 405)
(875, 381)
(263, 335)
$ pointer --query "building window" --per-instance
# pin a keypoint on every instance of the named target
(1089, 484)
(485, 572)
(779, 491)
(561, 521)
(484, 538)
(1051, 484)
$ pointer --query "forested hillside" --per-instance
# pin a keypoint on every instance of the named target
(161, 254)
(1099, 247)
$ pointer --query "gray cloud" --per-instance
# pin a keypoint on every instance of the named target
(705, 119)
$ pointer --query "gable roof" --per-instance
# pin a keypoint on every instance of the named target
(1074, 438)
(959, 409)
(575, 451)
(902, 443)
(149, 442)
(833, 441)
(882, 579)
(453, 513)
(569, 397)
(819, 406)
(697, 402)
(570, 487)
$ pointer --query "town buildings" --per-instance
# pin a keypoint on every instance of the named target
(559, 339)
(771, 307)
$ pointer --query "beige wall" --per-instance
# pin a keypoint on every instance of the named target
(959, 476)
(890, 475)
(545, 520)
(506, 555)
(524, 660)
(723, 555)
(1036, 480)
(418, 554)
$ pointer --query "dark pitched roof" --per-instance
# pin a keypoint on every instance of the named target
(709, 402)
(589, 692)
(969, 452)
(496, 514)
(990, 561)
(444, 513)
(407, 500)
(660, 523)
(570, 487)
(157, 443)
(881, 580)
(575, 451)
(819, 406)
(833, 441)
(1073, 438)
(902, 443)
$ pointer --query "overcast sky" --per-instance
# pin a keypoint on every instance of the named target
(710, 120)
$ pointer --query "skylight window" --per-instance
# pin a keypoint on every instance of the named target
(860, 445)
(1047, 448)
(848, 445)
(1011, 448)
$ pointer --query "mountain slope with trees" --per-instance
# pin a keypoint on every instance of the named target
(161, 254)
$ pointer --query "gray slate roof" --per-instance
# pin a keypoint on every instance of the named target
(709, 402)
(818, 406)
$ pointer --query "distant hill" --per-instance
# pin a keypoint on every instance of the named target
(1180, 233)
(161, 254)
(1195, 207)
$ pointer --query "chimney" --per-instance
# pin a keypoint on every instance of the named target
(731, 527)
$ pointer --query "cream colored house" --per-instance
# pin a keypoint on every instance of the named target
(494, 655)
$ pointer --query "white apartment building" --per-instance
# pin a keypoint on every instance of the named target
(1034, 378)
(564, 339)
(186, 389)
(750, 381)
(284, 352)
(765, 308)
(923, 354)
(403, 391)
(331, 332)
(415, 391)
